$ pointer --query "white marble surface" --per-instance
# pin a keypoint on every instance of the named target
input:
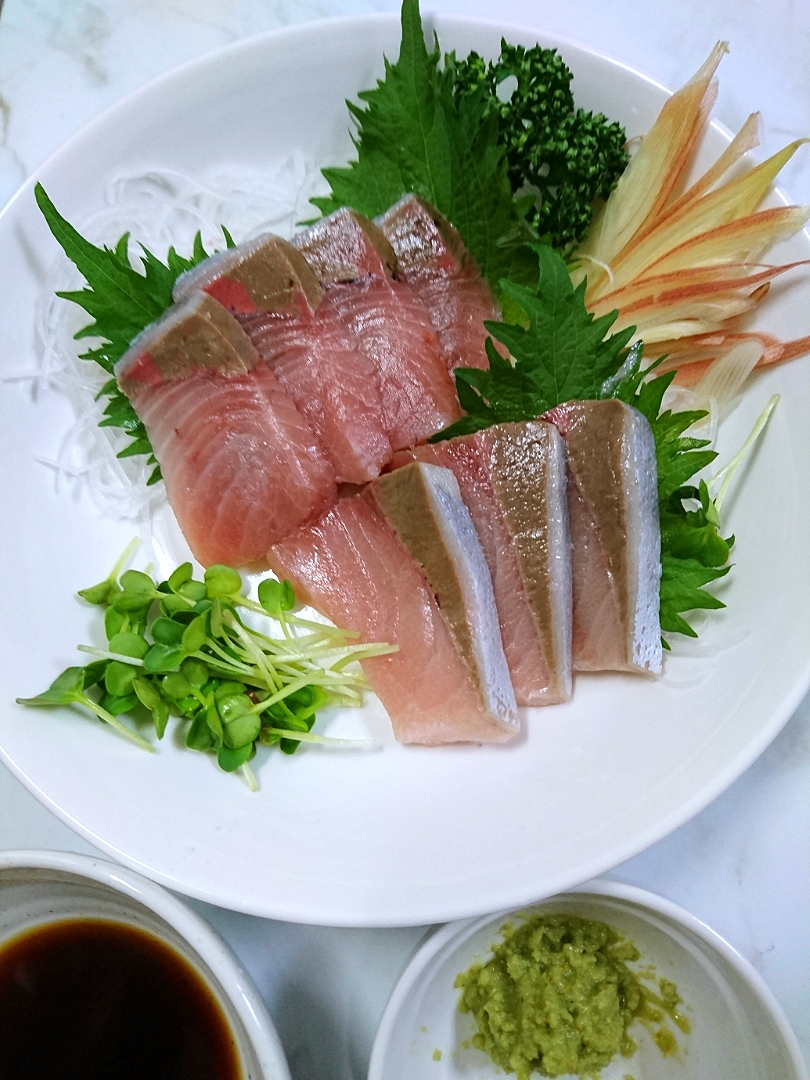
(743, 865)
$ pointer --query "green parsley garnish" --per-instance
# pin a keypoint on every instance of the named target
(182, 648)
(565, 157)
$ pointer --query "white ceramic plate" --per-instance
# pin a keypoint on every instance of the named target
(407, 835)
(739, 1032)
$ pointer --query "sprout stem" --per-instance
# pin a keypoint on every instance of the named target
(114, 722)
(106, 655)
(249, 777)
(726, 474)
(126, 555)
(325, 740)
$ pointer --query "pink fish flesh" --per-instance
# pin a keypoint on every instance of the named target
(333, 385)
(242, 467)
(431, 257)
(352, 567)
(387, 322)
(268, 285)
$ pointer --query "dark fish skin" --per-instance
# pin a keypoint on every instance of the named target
(615, 532)
(195, 336)
(432, 258)
(264, 274)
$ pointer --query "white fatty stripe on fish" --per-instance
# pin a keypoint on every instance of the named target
(559, 552)
(644, 543)
(464, 547)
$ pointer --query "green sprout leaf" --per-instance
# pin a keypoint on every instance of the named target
(129, 644)
(276, 596)
(222, 581)
(230, 759)
(161, 658)
(180, 576)
(118, 679)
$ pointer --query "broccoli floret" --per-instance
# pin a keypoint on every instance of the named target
(566, 157)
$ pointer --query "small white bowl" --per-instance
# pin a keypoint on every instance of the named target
(739, 1032)
(42, 887)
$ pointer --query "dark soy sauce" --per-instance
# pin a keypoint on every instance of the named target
(88, 999)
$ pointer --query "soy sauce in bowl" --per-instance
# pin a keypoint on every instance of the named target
(91, 999)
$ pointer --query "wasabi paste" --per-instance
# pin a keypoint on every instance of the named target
(557, 998)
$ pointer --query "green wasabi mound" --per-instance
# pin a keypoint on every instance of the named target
(557, 998)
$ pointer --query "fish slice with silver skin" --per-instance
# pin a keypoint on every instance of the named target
(512, 478)
(615, 533)
(351, 565)
(423, 505)
(268, 285)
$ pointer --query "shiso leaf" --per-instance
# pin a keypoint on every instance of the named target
(562, 354)
(413, 135)
(121, 302)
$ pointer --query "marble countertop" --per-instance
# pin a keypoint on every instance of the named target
(743, 864)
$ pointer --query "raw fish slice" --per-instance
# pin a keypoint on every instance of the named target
(615, 531)
(264, 274)
(423, 505)
(268, 285)
(352, 567)
(386, 321)
(512, 478)
(242, 466)
(389, 325)
(431, 257)
(346, 246)
(333, 385)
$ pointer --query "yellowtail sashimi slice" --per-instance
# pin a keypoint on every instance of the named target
(353, 568)
(386, 321)
(615, 533)
(269, 286)
(431, 257)
(423, 505)
(512, 478)
(242, 466)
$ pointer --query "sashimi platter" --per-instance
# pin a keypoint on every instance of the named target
(432, 472)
